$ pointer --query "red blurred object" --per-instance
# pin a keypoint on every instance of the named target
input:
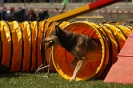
(122, 70)
(12, 8)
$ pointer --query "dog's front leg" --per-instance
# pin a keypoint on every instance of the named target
(79, 65)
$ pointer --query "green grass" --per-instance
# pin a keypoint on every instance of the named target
(27, 80)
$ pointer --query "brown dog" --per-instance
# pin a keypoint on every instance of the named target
(81, 46)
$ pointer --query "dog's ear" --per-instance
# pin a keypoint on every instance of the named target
(58, 29)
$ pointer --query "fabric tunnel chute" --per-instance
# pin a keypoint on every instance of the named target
(21, 47)
(112, 40)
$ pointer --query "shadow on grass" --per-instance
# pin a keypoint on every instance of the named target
(9, 75)
(3, 69)
(4, 73)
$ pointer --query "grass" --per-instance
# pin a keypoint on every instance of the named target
(27, 80)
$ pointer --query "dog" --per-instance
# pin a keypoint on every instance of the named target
(81, 46)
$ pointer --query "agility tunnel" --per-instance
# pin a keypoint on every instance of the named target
(21, 45)
(17, 45)
(21, 48)
(112, 38)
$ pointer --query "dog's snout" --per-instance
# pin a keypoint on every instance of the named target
(47, 39)
(50, 41)
(50, 44)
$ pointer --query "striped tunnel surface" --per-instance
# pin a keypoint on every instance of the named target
(20, 45)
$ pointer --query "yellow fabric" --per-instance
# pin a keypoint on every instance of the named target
(6, 43)
(118, 34)
(27, 45)
(34, 44)
(17, 46)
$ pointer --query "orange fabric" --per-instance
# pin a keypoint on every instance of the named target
(17, 46)
(39, 44)
(6, 44)
(34, 38)
(27, 46)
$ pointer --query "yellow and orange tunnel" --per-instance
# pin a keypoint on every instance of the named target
(112, 37)
(20, 43)
(21, 47)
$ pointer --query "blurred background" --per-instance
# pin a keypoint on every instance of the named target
(31, 10)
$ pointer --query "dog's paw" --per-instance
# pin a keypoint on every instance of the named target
(71, 80)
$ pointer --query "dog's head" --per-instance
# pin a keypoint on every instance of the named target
(53, 37)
